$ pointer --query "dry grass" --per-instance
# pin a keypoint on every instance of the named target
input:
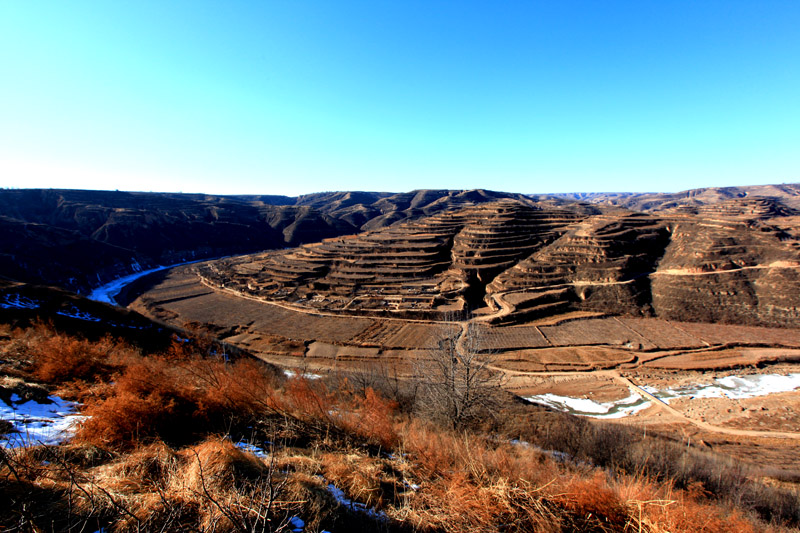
(151, 458)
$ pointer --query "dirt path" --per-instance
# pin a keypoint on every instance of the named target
(690, 272)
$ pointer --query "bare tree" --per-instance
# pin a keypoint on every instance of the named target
(385, 378)
(457, 385)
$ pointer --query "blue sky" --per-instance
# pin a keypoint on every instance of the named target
(295, 97)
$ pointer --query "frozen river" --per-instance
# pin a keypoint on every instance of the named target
(734, 387)
(108, 292)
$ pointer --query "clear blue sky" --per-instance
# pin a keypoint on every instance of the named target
(297, 96)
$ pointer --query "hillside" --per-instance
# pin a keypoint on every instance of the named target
(786, 195)
(125, 438)
(438, 361)
(730, 262)
(79, 239)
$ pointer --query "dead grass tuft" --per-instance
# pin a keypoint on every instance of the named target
(357, 475)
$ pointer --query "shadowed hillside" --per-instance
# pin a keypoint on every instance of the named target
(78, 239)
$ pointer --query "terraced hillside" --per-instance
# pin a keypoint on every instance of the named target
(77, 239)
(731, 262)
(439, 264)
(602, 264)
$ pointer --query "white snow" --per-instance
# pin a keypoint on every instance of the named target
(733, 387)
(292, 373)
(35, 423)
(251, 448)
(107, 292)
(590, 408)
(340, 497)
(15, 301)
(74, 312)
(297, 524)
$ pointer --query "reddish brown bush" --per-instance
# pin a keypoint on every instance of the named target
(60, 358)
(372, 418)
(593, 500)
(306, 400)
(433, 449)
(357, 475)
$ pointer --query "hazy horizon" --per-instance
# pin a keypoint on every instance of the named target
(526, 193)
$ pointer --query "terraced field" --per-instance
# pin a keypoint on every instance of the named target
(579, 343)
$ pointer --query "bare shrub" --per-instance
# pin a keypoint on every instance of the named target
(177, 401)
(457, 387)
(384, 378)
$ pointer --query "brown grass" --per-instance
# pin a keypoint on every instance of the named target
(151, 458)
(176, 400)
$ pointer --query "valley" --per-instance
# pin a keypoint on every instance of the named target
(679, 322)
(567, 302)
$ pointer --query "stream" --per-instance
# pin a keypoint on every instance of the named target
(108, 292)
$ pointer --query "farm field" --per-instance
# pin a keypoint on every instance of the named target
(578, 343)
(594, 363)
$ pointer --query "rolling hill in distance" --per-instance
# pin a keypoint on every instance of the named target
(78, 239)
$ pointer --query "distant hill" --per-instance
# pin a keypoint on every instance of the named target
(736, 261)
(787, 194)
(78, 239)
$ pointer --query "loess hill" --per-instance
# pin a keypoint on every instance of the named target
(78, 239)
(358, 295)
(515, 260)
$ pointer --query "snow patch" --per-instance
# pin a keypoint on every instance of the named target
(555, 454)
(252, 448)
(292, 373)
(74, 312)
(15, 301)
(590, 408)
(297, 525)
(733, 387)
(339, 495)
(36, 423)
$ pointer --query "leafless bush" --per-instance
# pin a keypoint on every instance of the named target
(457, 386)
(627, 451)
(383, 377)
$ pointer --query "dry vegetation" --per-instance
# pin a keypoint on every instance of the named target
(158, 453)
